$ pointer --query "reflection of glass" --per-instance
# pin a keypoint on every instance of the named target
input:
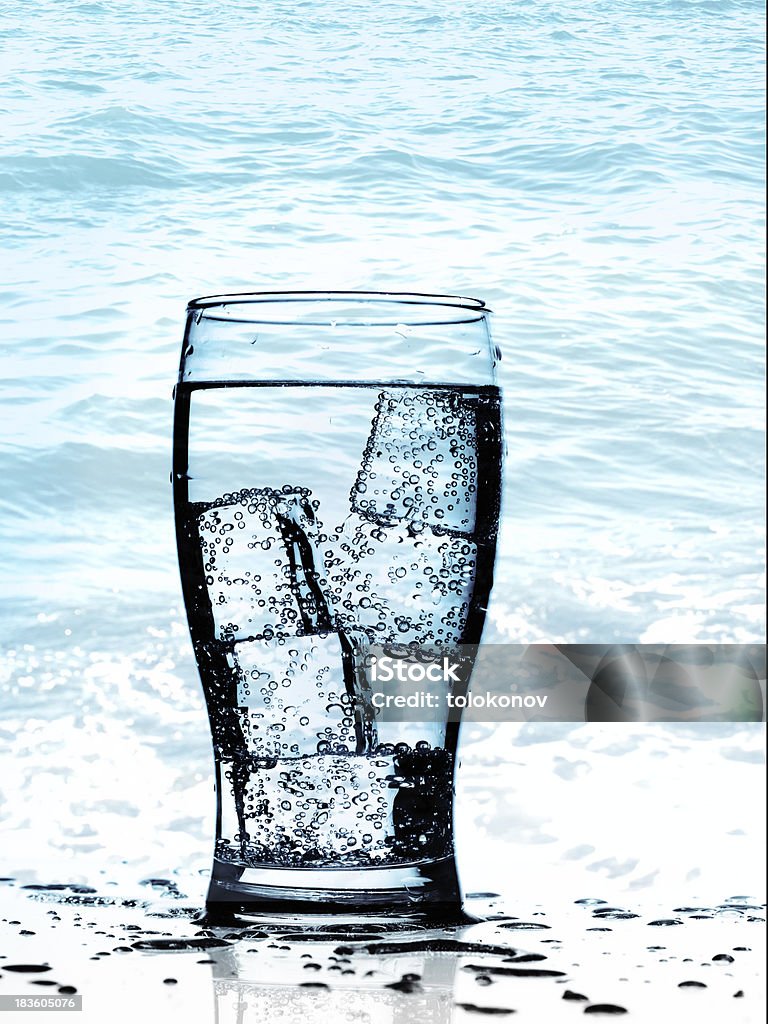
(246, 993)
(337, 464)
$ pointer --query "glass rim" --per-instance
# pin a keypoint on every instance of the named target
(207, 305)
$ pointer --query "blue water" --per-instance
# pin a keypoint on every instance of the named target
(593, 170)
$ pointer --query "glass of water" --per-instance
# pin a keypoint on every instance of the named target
(336, 473)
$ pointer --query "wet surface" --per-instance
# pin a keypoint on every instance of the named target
(75, 940)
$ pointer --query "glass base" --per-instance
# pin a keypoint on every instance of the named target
(425, 893)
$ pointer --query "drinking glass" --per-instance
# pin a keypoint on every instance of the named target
(336, 474)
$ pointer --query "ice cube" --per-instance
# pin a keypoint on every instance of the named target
(400, 583)
(300, 695)
(420, 461)
(321, 810)
(259, 559)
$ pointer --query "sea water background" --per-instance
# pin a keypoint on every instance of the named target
(594, 171)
